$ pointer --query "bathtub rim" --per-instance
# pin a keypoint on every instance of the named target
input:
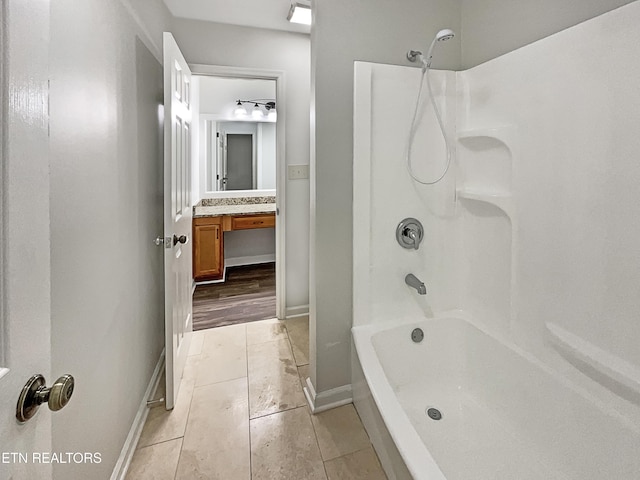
(413, 451)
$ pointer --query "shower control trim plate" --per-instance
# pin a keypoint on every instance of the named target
(409, 233)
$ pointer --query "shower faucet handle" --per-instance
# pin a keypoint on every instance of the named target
(409, 233)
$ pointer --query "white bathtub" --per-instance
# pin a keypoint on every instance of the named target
(504, 414)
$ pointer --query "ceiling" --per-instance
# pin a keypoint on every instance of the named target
(270, 14)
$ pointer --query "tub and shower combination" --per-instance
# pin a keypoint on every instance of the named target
(522, 360)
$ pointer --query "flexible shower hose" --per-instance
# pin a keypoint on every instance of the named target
(412, 130)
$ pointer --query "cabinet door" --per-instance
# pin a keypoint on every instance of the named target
(207, 244)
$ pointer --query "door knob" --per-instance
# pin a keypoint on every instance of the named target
(179, 239)
(35, 393)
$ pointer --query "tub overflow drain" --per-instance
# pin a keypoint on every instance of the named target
(417, 335)
(434, 414)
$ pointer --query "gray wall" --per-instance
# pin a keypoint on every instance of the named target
(217, 44)
(106, 207)
(371, 30)
(493, 27)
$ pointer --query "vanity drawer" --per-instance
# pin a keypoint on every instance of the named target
(243, 222)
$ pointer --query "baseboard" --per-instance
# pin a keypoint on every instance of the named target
(251, 260)
(130, 444)
(238, 262)
(319, 402)
(297, 311)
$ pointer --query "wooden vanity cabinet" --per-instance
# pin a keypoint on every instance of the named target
(208, 240)
(208, 248)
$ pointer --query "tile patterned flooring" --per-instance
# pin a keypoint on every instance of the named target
(241, 415)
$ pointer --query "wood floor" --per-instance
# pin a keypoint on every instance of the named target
(247, 295)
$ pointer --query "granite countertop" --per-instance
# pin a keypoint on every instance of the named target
(218, 210)
(213, 207)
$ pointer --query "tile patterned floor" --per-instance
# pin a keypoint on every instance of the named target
(241, 415)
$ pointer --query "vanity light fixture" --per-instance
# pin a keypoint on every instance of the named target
(257, 112)
(300, 13)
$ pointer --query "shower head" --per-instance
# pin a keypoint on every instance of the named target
(444, 35)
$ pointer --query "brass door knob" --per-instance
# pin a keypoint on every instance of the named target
(35, 393)
(60, 393)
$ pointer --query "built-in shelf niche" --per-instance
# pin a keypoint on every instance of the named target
(484, 193)
(485, 166)
(503, 201)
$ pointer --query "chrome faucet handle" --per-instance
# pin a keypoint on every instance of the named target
(409, 233)
(413, 235)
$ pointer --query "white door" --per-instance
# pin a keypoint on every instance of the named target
(177, 214)
(25, 306)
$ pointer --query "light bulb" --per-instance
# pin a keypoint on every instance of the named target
(239, 111)
(257, 111)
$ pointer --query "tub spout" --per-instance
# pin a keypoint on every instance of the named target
(414, 282)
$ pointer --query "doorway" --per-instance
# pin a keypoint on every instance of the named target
(239, 162)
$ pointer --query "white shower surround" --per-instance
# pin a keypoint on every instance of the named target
(533, 236)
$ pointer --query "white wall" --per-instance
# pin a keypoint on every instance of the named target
(266, 156)
(377, 31)
(217, 44)
(219, 94)
(572, 101)
(197, 136)
(242, 245)
(106, 208)
(494, 27)
(385, 194)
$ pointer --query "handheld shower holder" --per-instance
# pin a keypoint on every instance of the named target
(412, 55)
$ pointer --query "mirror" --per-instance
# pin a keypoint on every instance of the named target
(238, 133)
(240, 155)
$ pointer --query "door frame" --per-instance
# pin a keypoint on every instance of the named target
(3, 184)
(281, 166)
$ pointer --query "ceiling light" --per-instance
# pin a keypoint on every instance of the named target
(299, 13)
